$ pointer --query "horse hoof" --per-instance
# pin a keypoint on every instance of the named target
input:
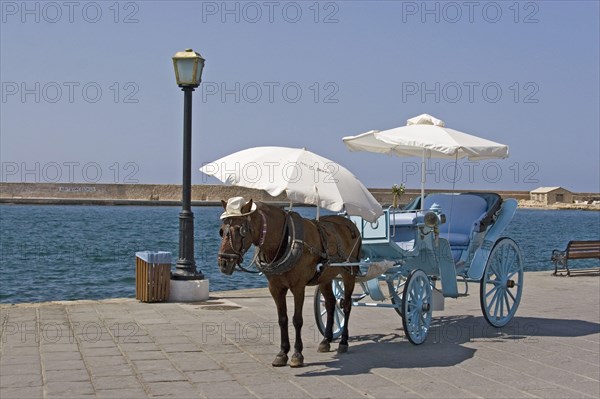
(324, 347)
(342, 348)
(280, 360)
(297, 360)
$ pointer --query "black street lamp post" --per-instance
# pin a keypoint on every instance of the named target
(188, 72)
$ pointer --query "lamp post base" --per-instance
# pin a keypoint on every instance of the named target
(186, 270)
(188, 290)
(183, 276)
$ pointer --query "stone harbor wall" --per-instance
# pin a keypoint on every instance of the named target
(123, 193)
(170, 194)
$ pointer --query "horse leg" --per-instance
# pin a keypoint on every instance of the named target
(278, 295)
(349, 281)
(297, 358)
(327, 291)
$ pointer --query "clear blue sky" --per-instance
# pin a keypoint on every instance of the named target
(88, 89)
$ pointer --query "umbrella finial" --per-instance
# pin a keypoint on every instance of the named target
(425, 119)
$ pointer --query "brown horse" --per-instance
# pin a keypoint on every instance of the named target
(289, 250)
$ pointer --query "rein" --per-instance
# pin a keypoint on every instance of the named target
(243, 269)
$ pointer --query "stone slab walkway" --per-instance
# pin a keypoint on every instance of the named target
(223, 348)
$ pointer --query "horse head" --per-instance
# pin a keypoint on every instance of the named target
(236, 232)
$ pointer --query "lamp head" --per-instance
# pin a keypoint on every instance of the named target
(431, 219)
(188, 68)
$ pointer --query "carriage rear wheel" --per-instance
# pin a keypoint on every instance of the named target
(338, 315)
(416, 306)
(502, 283)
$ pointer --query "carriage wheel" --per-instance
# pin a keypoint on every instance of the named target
(502, 283)
(416, 306)
(338, 314)
(397, 284)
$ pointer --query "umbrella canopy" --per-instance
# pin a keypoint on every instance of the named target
(306, 178)
(426, 136)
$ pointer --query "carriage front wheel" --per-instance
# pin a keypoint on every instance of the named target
(338, 315)
(502, 283)
(416, 306)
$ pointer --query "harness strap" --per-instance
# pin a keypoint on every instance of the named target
(323, 237)
(263, 233)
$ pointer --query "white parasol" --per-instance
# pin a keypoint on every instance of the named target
(425, 136)
(305, 177)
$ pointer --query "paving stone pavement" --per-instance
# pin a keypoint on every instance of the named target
(223, 348)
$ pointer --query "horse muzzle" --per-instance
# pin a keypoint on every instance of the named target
(227, 262)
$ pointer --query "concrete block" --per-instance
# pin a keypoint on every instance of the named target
(188, 290)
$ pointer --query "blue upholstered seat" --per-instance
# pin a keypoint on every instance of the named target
(463, 215)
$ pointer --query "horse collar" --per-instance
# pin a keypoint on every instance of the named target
(293, 242)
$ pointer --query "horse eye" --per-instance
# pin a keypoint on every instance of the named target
(243, 231)
(221, 232)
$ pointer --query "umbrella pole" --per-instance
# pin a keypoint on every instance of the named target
(318, 200)
(423, 180)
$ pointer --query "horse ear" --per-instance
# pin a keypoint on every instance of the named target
(224, 204)
(246, 208)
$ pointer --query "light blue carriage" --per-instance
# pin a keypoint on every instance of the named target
(421, 256)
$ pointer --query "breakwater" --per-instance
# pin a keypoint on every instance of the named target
(163, 194)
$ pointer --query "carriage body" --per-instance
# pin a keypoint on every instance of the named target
(420, 257)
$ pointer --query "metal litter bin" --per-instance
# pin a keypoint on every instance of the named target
(152, 276)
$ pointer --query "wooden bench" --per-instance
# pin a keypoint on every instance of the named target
(575, 250)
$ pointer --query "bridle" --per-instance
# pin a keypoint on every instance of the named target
(228, 232)
(245, 233)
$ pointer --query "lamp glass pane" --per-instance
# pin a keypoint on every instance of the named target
(185, 68)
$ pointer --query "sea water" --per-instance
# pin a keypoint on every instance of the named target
(53, 252)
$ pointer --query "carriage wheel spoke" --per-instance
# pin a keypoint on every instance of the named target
(510, 275)
(494, 270)
(494, 301)
(496, 306)
(493, 281)
(493, 290)
(511, 295)
(501, 301)
(510, 262)
(506, 301)
(413, 292)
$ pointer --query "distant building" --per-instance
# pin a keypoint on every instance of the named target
(550, 195)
